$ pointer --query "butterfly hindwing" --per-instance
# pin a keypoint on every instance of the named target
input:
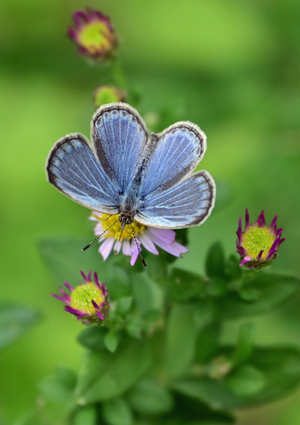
(176, 154)
(74, 170)
(119, 137)
(186, 204)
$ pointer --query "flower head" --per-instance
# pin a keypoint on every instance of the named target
(94, 34)
(114, 238)
(108, 94)
(258, 244)
(88, 301)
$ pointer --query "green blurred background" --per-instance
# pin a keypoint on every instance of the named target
(232, 67)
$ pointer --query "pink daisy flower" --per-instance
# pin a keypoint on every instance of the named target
(114, 239)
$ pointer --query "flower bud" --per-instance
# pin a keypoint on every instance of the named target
(88, 301)
(94, 34)
(258, 244)
(108, 94)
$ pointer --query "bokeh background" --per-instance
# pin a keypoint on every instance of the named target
(232, 67)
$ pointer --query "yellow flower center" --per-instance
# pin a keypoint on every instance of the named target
(82, 296)
(116, 231)
(95, 36)
(257, 239)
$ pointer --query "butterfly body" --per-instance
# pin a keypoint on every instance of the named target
(125, 171)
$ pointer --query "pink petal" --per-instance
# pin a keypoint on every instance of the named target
(148, 244)
(165, 235)
(174, 248)
(245, 260)
(117, 247)
(126, 247)
(106, 247)
(135, 253)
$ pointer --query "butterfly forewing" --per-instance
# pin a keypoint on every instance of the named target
(74, 170)
(176, 154)
(119, 137)
(187, 204)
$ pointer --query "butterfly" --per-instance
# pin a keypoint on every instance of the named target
(142, 177)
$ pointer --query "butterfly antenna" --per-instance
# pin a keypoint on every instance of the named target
(99, 236)
(138, 247)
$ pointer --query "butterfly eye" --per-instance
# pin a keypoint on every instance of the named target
(121, 192)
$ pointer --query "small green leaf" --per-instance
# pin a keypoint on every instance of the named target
(215, 261)
(232, 268)
(190, 411)
(273, 291)
(15, 320)
(183, 286)
(59, 387)
(210, 391)
(123, 306)
(149, 398)
(111, 341)
(245, 344)
(216, 286)
(93, 338)
(134, 327)
(246, 381)
(85, 416)
(181, 337)
(117, 412)
(106, 375)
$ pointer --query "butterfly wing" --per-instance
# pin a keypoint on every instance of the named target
(74, 170)
(188, 203)
(178, 151)
(119, 137)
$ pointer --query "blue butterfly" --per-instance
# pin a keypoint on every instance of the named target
(143, 178)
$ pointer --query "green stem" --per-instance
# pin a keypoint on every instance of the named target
(118, 75)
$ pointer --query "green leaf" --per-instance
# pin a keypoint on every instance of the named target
(270, 374)
(15, 320)
(134, 327)
(213, 392)
(86, 415)
(183, 286)
(117, 412)
(181, 334)
(111, 341)
(123, 306)
(189, 411)
(64, 258)
(207, 343)
(59, 388)
(245, 344)
(106, 375)
(215, 261)
(246, 381)
(232, 269)
(273, 291)
(93, 338)
(149, 398)
(216, 286)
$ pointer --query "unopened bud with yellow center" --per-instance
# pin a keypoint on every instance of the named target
(88, 301)
(258, 244)
(94, 34)
(108, 94)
